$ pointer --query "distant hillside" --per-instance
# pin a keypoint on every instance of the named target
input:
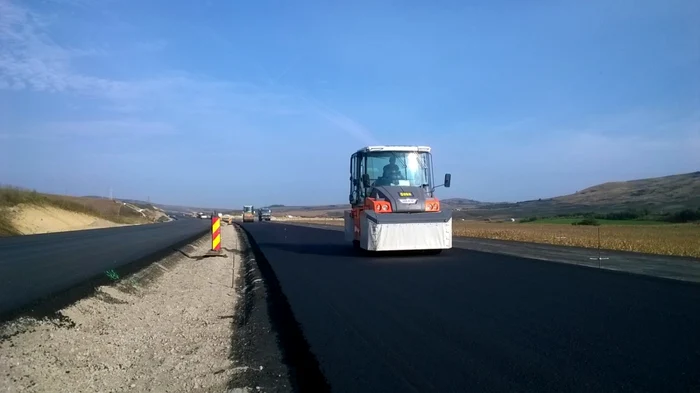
(465, 203)
(659, 194)
(668, 192)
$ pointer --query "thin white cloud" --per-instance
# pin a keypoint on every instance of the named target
(31, 60)
(534, 162)
(102, 128)
(616, 155)
(150, 46)
(25, 137)
(77, 3)
(343, 122)
(129, 129)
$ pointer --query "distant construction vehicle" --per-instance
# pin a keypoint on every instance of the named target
(248, 213)
(392, 194)
(264, 214)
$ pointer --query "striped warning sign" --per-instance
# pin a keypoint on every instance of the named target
(216, 233)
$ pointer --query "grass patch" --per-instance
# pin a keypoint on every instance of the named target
(13, 196)
(100, 208)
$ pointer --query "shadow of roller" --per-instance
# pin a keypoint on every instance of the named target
(347, 251)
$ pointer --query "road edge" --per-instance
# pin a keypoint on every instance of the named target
(268, 338)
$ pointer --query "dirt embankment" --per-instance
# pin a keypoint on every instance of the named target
(167, 328)
(34, 219)
(25, 212)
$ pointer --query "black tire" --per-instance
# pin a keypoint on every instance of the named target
(356, 244)
(433, 252)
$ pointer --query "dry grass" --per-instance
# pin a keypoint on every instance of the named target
(6, 227)
(680, 239)
(676, 239)
(102, 208)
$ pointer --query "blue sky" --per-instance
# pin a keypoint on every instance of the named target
(221, 103)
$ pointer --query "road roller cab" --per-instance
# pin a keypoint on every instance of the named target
(394, 207)
(248, 213)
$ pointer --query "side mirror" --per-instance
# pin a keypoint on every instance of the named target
(365, 180)
(448, 180)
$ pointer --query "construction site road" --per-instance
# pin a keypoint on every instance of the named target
(36, 266)
(474, 321)
(666, 266)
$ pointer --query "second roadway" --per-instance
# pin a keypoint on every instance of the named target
(480, 322)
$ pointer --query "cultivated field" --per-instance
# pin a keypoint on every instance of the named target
(663, 239)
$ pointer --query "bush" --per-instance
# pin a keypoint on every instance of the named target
(683, 216)
(629, 214)
(587, 221)
(528, 219)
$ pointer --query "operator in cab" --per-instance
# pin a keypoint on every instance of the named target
(391, 169)
(392, 173)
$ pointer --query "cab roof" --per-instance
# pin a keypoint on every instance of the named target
(423, 149)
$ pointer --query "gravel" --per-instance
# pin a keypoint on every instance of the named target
(166, 328)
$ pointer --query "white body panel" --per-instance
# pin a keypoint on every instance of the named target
(405, 236)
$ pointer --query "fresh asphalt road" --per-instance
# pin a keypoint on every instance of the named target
(34, 266)
(479, 322)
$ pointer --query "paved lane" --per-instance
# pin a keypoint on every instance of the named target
(34, 266)
(666, 266)
(471, 321)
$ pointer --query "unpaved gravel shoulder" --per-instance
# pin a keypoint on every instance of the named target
(167, 328)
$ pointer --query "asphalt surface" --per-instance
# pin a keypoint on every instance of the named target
(266, 337)
(474, 321)
(35, 266)
(665, 266)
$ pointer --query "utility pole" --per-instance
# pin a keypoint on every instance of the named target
(600, 257)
